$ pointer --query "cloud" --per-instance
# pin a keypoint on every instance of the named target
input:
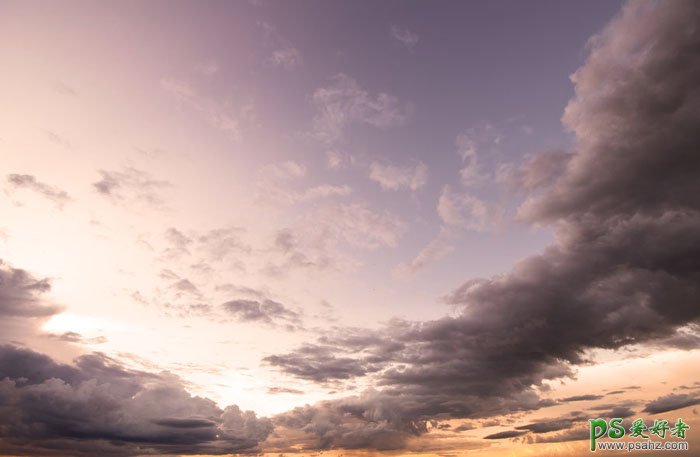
(359, 225)
(265, 311)
(318, 363)
(288, 169)
(57, 139)
(344, 102)
(276, 181)
(552, 425)
(284, 55)
(397, 177)
(283, 390)
(73, 337)
(587, 397)
(574, 434)
(98, 407)
(404, 36)
(622, 271)
(460, 209)
(671, 402)
(541, 170)
(56, 195)
(20, 294)
(436, 249)
(207, 68)
(471, 145)
(287, 58)
(65, 89)
(130, 184)
(504, 435)
(336, 160)
(633, 125)
(219, 115)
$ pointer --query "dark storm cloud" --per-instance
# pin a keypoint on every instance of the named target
(130, 183)
(56, 195)
(671, 402)
(625, 267)
(98, 407)
(265, 311)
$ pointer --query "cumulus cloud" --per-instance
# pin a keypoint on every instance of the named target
(29, 182)
(623, 269)
(344, 102)
(398, 177)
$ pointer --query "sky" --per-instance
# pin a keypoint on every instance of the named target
(346, 227)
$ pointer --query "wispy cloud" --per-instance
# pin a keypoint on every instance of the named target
(29, 182)
(404, 36)
(344, 102)
(287, 58)
(217, 114)
(130, 183)
(397, 177)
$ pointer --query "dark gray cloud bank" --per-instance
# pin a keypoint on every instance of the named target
(625, 267)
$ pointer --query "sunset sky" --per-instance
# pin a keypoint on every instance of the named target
(346, 227)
